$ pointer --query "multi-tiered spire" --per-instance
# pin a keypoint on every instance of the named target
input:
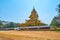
(34, 15)
(33, 21)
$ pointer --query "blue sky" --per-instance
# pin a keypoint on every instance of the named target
(19, 10)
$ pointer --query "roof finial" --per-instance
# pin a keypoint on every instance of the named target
(33, 8)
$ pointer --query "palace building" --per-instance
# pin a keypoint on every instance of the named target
(33, 20)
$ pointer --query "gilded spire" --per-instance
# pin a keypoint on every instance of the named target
(33, 14)
(34, 10)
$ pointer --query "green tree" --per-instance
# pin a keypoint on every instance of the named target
(6, 25)
(11, 25)
(1, 23)
(56, 20)
(53, 24)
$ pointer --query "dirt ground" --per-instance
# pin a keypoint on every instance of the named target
(29, 35)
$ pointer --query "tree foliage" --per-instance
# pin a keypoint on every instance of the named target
(6, 24)
(1, 23)
(56, 19)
